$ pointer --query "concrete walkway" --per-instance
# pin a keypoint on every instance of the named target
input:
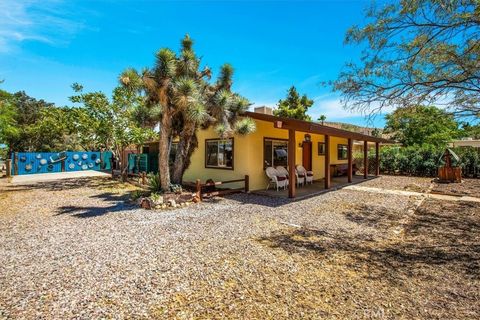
(41, 177)
(412, 193)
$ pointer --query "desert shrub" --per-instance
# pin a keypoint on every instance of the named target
(137, 194)
(154, 182)
(156, 197)
(176, 188)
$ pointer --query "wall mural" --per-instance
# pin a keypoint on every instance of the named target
(44, 162)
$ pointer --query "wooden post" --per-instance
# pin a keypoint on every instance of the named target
(365, 159)
(144, 177)
(247, 183)
(291, 163)
(377, 158)
(350, 160)
(198, 188)
(15, 163)
(111, 166)
(9, 167)
(327, 162)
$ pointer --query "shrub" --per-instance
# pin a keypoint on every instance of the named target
(154, 184)
(469, 160)
(176, 188)
(424, 160)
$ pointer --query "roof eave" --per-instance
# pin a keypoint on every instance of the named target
(312, 127)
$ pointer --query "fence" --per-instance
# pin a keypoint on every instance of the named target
(147, 162)
(209, 189)
(65, 161)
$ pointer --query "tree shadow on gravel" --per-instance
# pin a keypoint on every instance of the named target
(374, 216)
(69, 184)
(441, 236)
(119, 203)
(259, 200)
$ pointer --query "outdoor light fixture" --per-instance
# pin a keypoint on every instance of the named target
(278, 124)
(308, 137)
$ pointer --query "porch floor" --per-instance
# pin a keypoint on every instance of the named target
(317, 187)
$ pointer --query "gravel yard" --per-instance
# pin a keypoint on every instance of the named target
(75, 248)
(469, 187)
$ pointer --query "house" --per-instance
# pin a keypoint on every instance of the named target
(468, 142)
(276, 142)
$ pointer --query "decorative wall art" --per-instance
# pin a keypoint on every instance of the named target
(46, 162)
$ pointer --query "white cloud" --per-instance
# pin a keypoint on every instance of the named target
(332, 108)
(44, 21)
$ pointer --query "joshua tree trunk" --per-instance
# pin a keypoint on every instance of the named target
(183, 151)
(164, 151)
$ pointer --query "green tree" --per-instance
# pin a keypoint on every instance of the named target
(470, 130)
(180, 89)
(376, 133)
(29, 124)
(111, 124)
(322, 118)
(294, 106)
(415, 52)
(8, 125)
(420, 125)
(53, 130)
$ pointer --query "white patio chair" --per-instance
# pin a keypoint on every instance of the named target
(281, 181)
(307, 174)
(283, 171)
(300, 177)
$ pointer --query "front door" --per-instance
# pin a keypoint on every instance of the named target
(307, 155)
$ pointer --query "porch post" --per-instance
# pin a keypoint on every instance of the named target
(377, 158)
(365, 159)
(291, 163)
(350, 160)
(327, 162)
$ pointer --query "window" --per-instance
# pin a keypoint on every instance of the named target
(342, 152)
(219, 154)
(275, 152)
(321, 148)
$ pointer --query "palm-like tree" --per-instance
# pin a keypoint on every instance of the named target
(322, 118)
(186, 101)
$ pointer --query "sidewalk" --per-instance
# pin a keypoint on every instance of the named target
(41, 177)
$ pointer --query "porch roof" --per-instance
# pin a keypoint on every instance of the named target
(312, 127)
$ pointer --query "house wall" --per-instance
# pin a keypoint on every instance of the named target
(248, 156)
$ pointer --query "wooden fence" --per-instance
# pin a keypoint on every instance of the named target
(209, 189)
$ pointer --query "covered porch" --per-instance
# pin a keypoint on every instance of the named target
(316, 188)
(328, 162)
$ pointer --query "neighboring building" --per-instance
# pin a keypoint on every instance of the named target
(465, 143)
(229, 159)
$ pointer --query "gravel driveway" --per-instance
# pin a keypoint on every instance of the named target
(75, 249)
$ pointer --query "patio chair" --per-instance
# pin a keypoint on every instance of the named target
(280, 180)
(300, 177)
(307, 174)
(283, 171)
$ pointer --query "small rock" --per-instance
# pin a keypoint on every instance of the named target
(146, 203)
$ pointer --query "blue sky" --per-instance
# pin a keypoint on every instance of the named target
(47, 45)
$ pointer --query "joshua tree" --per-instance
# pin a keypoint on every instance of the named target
(180, 89)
